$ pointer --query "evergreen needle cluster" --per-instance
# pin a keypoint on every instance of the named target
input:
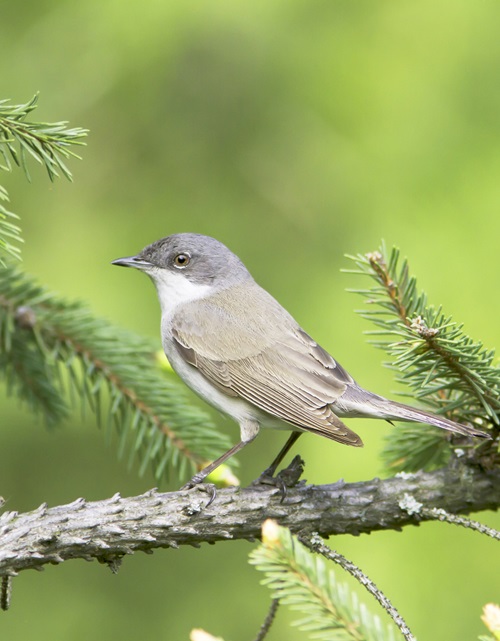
(301, 580)
(10, 232)
(52, 350)
(48, 143)
(445, 369)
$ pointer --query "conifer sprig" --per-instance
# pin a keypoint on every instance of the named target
(315, 543)
(10, 232)
(51, 350)
(300, 580)
(447, 370)
(48, 143)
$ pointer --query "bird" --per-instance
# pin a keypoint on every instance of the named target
(232, 343)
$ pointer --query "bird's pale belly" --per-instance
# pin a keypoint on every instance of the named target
(236, 408)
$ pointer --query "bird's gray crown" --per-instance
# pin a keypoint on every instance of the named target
(208, 260)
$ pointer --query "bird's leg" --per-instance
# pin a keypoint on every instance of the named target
(248, 432)
(200, 476)
(268, 473)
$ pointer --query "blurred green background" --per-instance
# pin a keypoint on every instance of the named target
(295, 132)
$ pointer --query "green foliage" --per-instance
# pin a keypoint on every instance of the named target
(48, 143)
(10, 233)
(52, 350)
(411, 447)
(300, 580)
(445, 369)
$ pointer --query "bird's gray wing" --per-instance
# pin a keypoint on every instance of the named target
(284, 373)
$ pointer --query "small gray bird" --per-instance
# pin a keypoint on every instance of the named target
(243, 353)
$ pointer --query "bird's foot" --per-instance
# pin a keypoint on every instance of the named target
(288, 477)
(208, 488)
(291, 474)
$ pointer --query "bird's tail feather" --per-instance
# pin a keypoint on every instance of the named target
(359, 402)
(400, 412)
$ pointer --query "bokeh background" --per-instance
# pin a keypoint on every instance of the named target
(294, 131)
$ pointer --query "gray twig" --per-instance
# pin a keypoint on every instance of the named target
(315, 544)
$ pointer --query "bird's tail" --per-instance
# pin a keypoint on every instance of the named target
(359, 402)
(400, 412)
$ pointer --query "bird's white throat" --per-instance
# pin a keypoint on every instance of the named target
(175, 289)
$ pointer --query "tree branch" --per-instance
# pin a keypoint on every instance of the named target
(107, 530)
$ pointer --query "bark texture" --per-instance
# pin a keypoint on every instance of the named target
(109, 529)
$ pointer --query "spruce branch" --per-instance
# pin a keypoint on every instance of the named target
(413, 507)
(52, 350)
(302, 581)
(48, 143)
(10, 232)
(314, 543)
(445, 369)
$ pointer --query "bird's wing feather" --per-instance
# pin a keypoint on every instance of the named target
(285, 373)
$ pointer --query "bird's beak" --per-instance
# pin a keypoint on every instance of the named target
(132, 261)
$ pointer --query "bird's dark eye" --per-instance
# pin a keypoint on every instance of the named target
(182, 260)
